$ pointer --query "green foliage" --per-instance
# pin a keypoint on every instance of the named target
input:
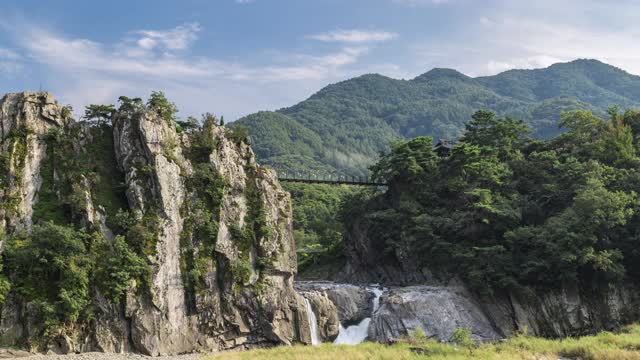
(462, 338)
(201, 212)
(12, 163)
(159, 103)
(203, 142)
(239, 134)
(242, 271)
(418, 335)
(143, 235)
(130, 105)
(407, 160)
(198, 240)
(51, 267)
(62, 197)
(343, 127)
(505, 211)
(116, 266)
(57, 267)
(318, 231)
(5, 286)
(188, 126)
(101, 113)
(48, 207)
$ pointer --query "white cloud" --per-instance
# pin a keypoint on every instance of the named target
(508, 35)
(82, 71)
(178, 38)
(353, 36)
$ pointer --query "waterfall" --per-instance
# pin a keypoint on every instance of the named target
(313, 324)
(355, 334)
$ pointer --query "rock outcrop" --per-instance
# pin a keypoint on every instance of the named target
(352, 303)
(437, 311)
(215, 230)
(25, 120)
(324, 307)
(439, 305)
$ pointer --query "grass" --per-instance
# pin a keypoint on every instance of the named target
(622, 345)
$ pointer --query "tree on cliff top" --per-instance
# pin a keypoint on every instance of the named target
(101, 113)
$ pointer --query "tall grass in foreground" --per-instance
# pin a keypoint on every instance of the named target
(622, 345)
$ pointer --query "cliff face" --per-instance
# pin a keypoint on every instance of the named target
(25, 120)
(420, 297)
(212, 226)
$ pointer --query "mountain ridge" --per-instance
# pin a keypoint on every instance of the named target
(344, 126)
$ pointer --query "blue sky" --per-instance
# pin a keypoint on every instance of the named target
(235, 57)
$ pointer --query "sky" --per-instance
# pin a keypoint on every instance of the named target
(236, 57)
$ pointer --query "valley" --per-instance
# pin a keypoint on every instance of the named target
(160, 236)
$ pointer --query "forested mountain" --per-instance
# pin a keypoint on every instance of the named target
(343, 127)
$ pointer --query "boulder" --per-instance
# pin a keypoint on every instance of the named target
(437, 311)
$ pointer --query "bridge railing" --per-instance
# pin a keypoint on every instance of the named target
(315, 178)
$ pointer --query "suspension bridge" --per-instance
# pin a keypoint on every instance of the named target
(331, 179)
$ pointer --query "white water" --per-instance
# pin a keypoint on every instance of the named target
(355, 334)
(313, 324)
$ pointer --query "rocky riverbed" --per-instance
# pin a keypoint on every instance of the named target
(23, 355)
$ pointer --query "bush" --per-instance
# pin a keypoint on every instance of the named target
(117, 265)
(239, 134)
(462, 338)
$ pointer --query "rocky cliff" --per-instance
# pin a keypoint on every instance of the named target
(436, 303)
(212, 227)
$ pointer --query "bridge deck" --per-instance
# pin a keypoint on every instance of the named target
(332, 182)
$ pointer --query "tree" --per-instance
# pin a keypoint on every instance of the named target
(130, 105)
(51, 267)
(507, 136)
(116, 266)
(164, 108)
(188, 126)
(101, 113)
(407, 160)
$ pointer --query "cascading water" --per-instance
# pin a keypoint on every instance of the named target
(355, 334)
(313, 324)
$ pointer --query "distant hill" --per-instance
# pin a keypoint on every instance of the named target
(343, 127)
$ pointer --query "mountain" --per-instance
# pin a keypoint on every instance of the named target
(343, 127)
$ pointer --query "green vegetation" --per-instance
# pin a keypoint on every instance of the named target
(623, 345)
(94, 166)
(48, 206)
(318, 230)
(202, 211)
(102, 114)
(159, 103)
(12, 165)
(505, 211)
(63, 263)
(117, 267)
(57, 268)
(51, 268)
(344, 126)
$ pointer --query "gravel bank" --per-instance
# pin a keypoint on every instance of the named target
(14, 354)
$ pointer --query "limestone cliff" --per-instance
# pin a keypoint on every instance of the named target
(212, 226)
(25, 120)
